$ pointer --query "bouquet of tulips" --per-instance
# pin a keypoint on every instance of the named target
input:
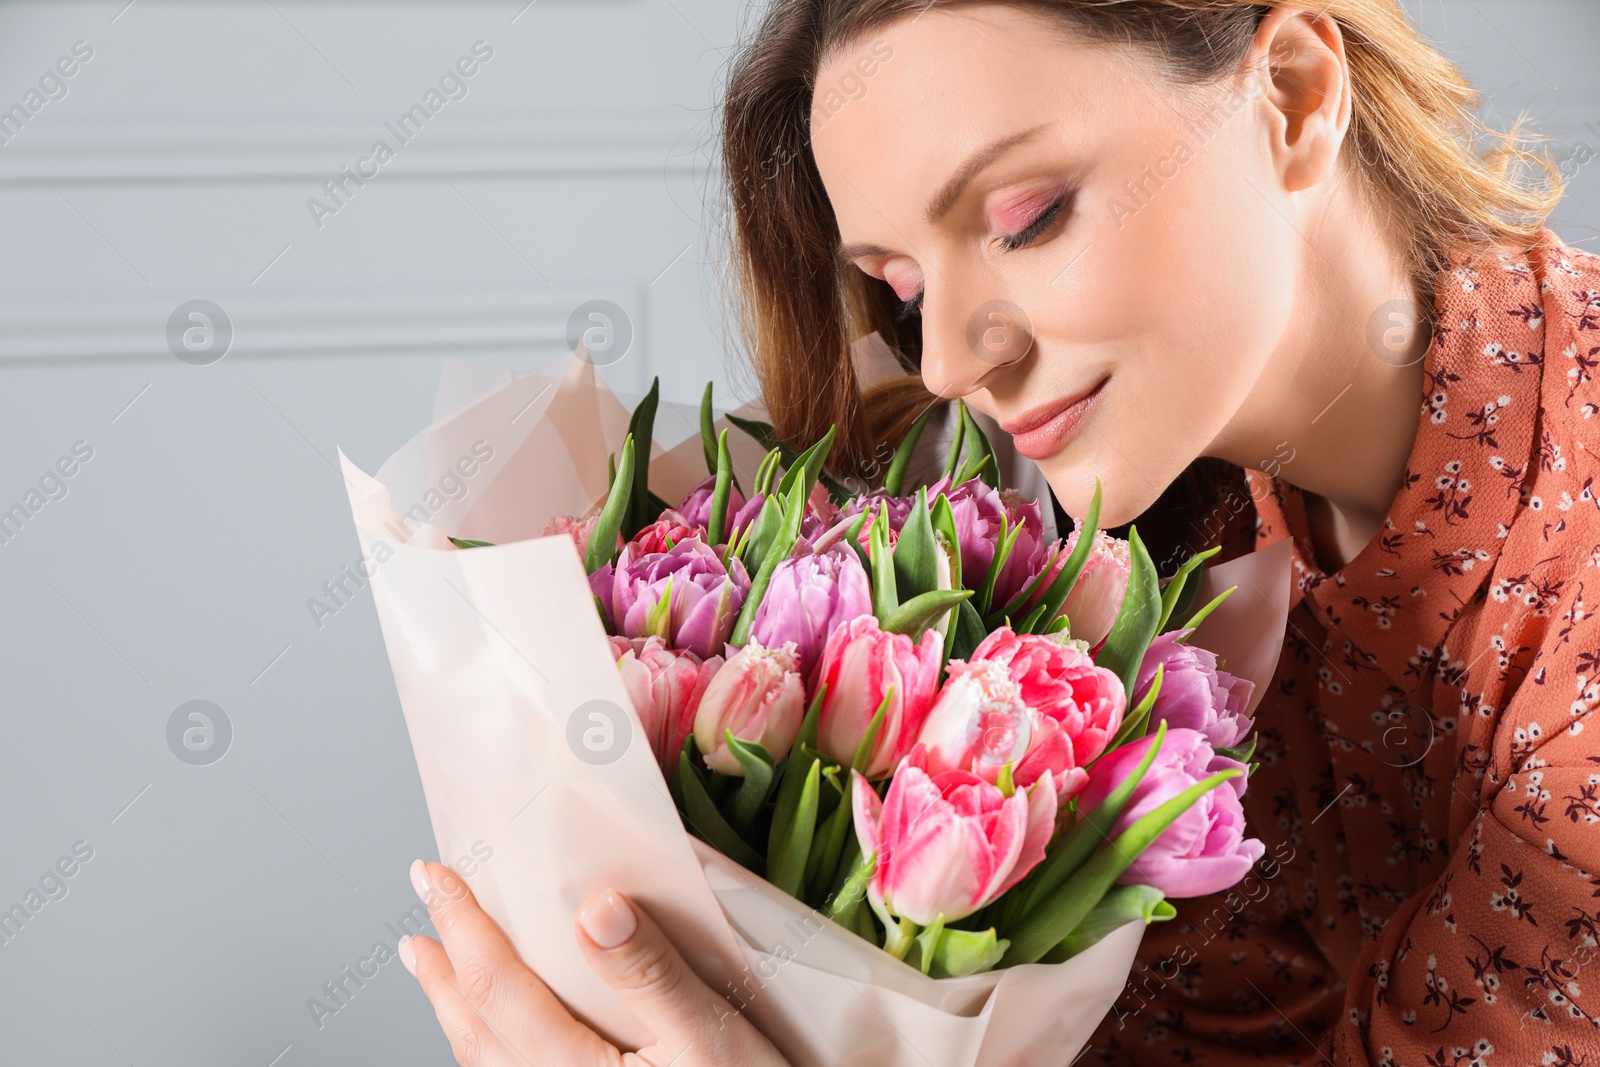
(973, 747)
(890, 755)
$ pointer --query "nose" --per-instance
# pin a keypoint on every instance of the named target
(966, 344)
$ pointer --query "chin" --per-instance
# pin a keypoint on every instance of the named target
(1124, 493)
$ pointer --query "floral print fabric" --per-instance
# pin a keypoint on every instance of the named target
(1429, 788)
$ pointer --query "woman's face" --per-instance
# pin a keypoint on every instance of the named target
(1100, 254)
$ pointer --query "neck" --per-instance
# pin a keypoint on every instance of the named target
(1339, 401)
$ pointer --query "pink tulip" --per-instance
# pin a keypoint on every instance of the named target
(1096, 596)
(577, 529)
(666, 688)
(861, 664)
(1027, 699)
(662, 534)
(978, 722)
(948, 844)
(757, 694)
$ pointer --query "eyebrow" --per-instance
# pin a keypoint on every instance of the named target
(951, 191)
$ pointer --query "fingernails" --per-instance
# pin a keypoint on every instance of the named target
(408, 955)
(608, 919)
(419, 880)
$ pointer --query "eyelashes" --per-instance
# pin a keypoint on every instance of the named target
(1011, 243)
(1035, 229)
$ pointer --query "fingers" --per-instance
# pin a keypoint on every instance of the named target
(485, 996)
(472, 1040)
(627, 949)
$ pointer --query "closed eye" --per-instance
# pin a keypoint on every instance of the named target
(908, 308)
(1035, 229)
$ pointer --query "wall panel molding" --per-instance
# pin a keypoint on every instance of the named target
(150, 149)
(322, 324)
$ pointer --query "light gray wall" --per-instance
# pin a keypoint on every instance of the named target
(178, 566)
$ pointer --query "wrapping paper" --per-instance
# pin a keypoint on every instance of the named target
(501, 664)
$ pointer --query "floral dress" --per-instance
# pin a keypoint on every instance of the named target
(1429, 787)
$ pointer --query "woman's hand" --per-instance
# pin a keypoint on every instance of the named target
(498, 1013)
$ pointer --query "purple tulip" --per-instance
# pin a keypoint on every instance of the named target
(1205, 850)
(1194, 695)
(810, 595)
(899, 507)
(705, 595)
(696, 507)
(1029, 551)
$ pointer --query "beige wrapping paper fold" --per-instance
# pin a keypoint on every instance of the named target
(500, 660)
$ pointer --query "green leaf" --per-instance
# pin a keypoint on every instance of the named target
(952, 458)
(895, 478)
(922, 946)
(969, 631)
(767, 438)
(808, 465)
(767, 470)
(797, 765)
(1179, 587)
(943, 520)
(708, 432)
(1056, 594)
(1121, 905)
(921, 612)
(1137, 620)
(759, 773)
(1053, 920)
(884, 596)
(641, 427)
(963, 952)
(827, 846)
(719, 494)
(1136, 721)
(460, 542)
(915, 568)
(762, 530)
(869, 739)
(978, 447)
(977, 469)
(845, 903)
(1200, 616)
(1244, 752)
(788, 856)
(1067, 853)
(707, 822)
(808, 725)
(603, 539)
(1002, 552)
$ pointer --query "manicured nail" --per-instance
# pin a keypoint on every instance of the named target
(408, 955)
(608, 920)
(419, 880)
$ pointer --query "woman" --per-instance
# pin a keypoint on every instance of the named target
(1250, 265)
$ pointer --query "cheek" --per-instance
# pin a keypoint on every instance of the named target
(1184, 293)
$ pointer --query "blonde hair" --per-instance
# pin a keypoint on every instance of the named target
(1441, 175)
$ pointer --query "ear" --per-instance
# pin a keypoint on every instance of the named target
(1300, 58)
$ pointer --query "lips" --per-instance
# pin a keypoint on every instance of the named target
(1044, 431)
